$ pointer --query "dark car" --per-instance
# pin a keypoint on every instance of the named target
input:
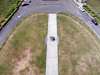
(94, 21)
(25, 4)
(52, 38)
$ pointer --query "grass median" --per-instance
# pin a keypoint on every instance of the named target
(79, 49)
(24, 51)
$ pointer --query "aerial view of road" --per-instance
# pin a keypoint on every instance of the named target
(67, 39)
(47, 7)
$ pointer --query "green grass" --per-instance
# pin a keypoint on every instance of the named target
(4, 69)
(79, 49)
(31, 34)
(92, 13)
(7, 5)
(6, 8)
(41, 61)
(95, 5)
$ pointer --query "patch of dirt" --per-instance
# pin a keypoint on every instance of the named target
(89, 63)
(23, 65)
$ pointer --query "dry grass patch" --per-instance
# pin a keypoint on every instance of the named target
(79, 49)
(24, 52)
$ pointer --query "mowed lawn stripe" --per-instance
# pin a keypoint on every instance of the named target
(79, 49)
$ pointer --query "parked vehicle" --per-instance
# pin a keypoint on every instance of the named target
(52, 38)
(94, 21)
(25, 4)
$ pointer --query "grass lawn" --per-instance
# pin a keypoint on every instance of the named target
(6, 7)
(79, 49)
(95, 5)
(24, 52)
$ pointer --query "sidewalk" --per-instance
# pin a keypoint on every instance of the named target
(52, 46)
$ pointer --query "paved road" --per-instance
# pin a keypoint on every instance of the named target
(49, 7)
(52, 46)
